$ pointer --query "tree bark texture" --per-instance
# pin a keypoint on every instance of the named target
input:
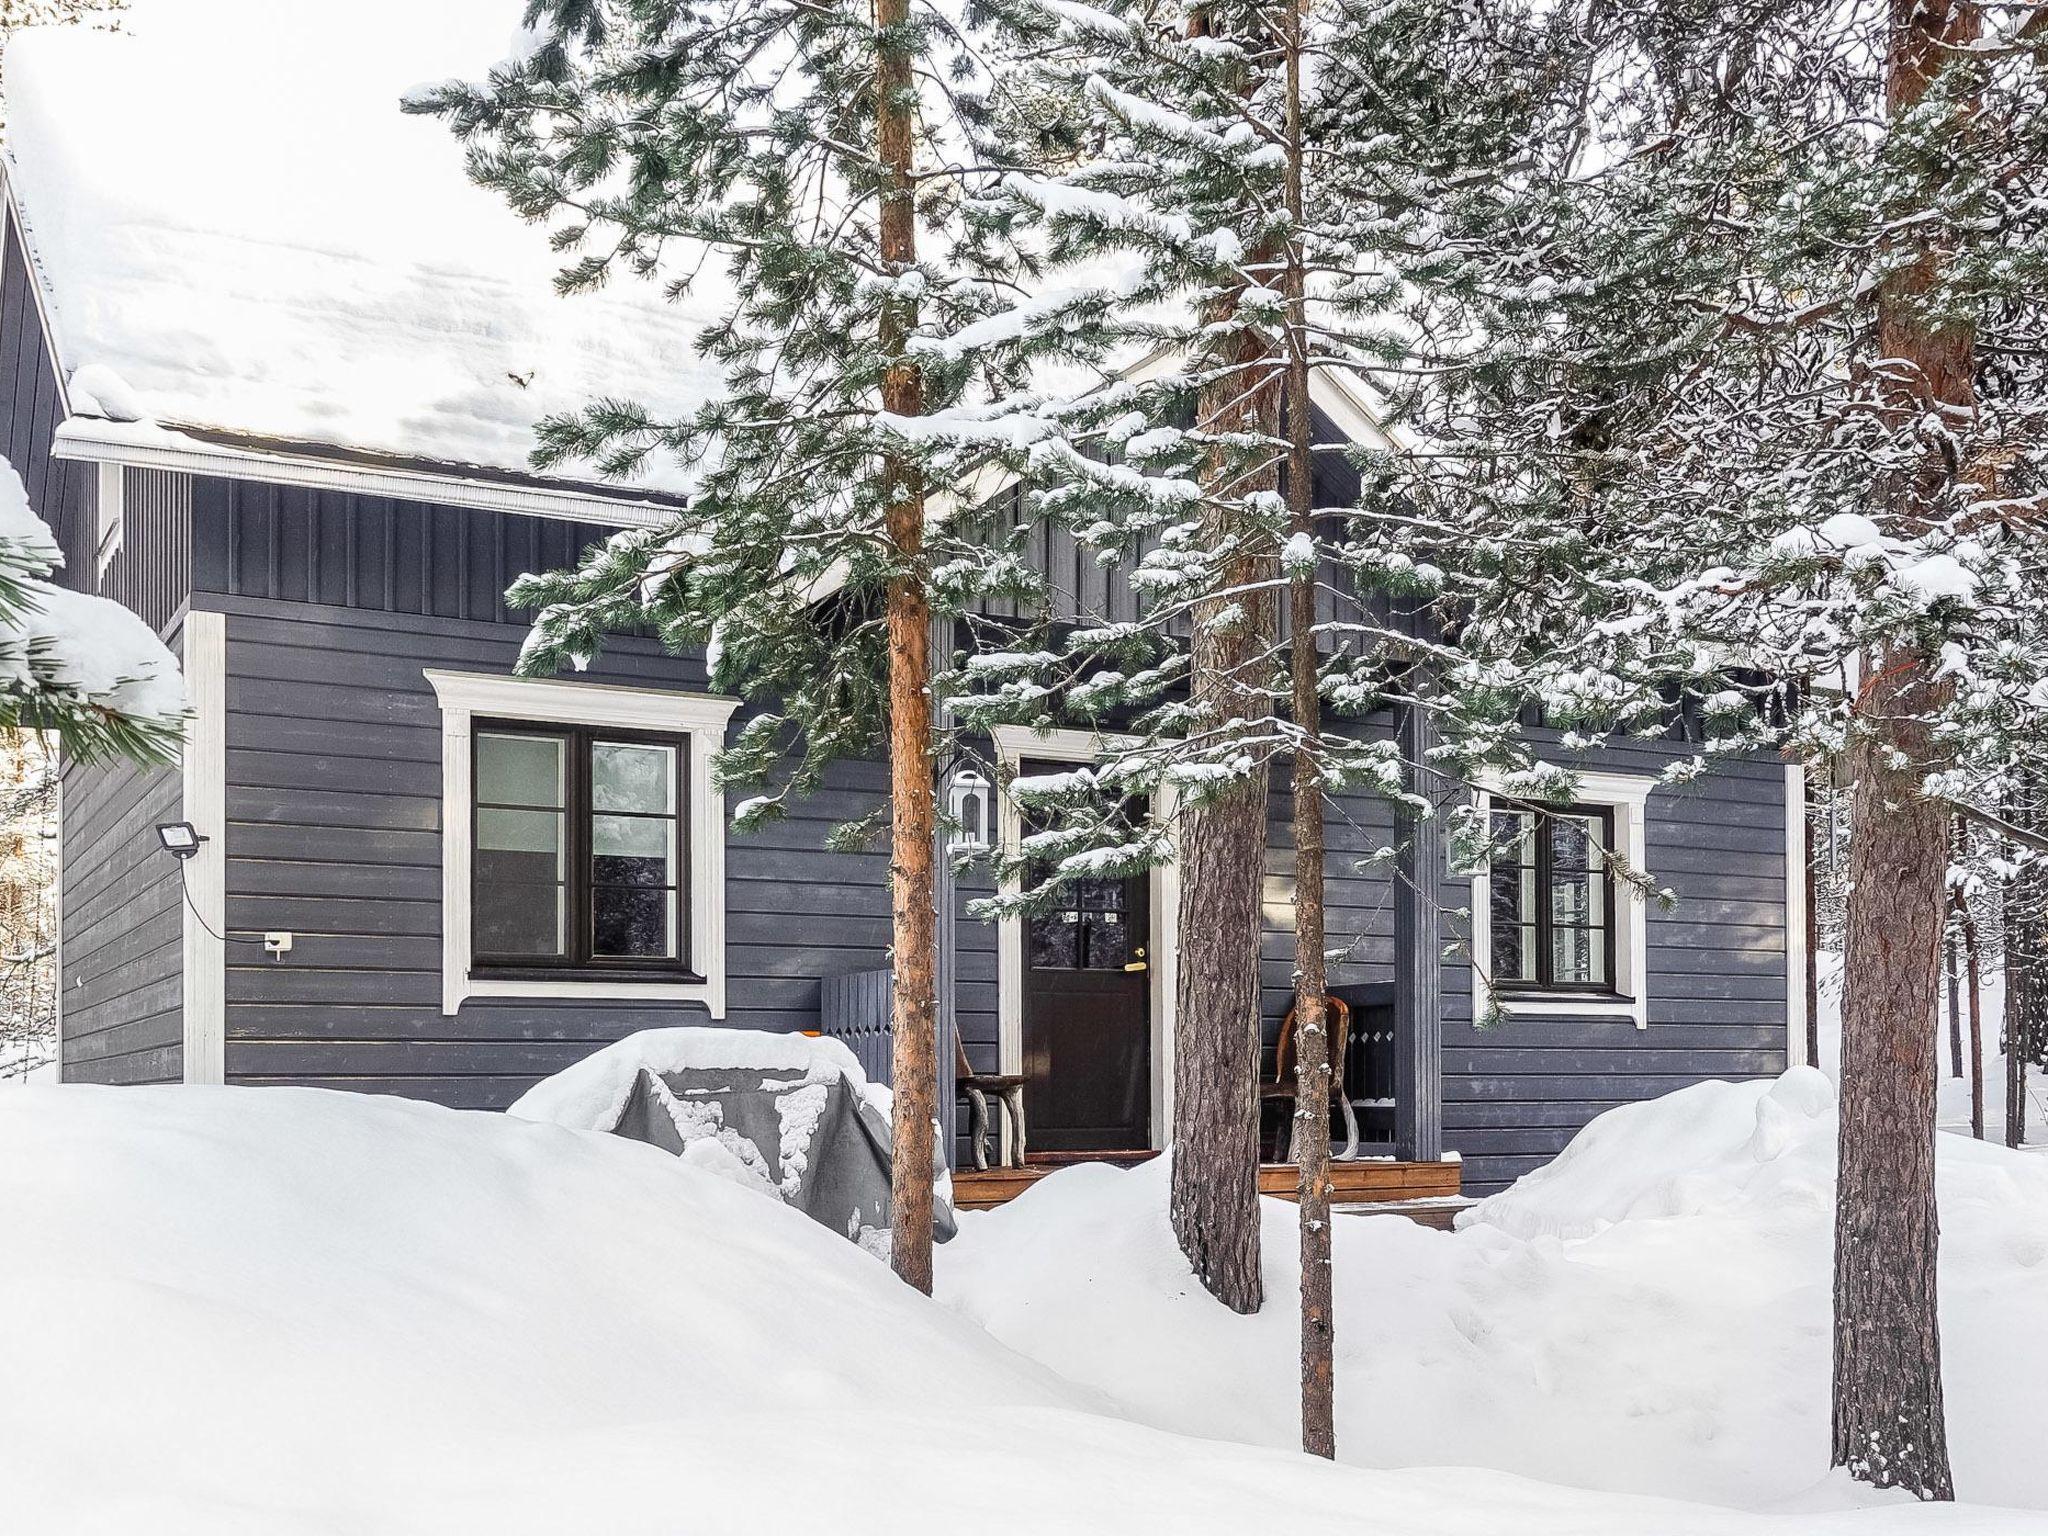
(913, 807)
(1888, 1423)
(1214, 1200)
(1312, 1045)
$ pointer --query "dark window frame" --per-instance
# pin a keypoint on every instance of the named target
(1545, 984)
(577, 962)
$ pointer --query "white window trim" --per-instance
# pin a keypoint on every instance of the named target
(1015, 743)
(110, 515)
(1627, 796)
(702, 717)
(1796, 957)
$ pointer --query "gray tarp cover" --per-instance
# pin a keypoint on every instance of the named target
(821, 1145)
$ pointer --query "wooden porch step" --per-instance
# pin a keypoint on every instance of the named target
(1370, 1180)
(1417, 1190)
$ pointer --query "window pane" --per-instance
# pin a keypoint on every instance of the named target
(1513, 896)
(518, 770)
(1579, 957)
(627, 922)
(1109, 941)
(1577, 889)
(632, 776)
(1055, 941)
(1100, 895)
(632, 850)
(510, 917)
(524, 846)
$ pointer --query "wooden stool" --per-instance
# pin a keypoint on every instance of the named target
(1008, 1088)
(1337, 1025)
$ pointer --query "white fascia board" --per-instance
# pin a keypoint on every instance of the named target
(145, 445)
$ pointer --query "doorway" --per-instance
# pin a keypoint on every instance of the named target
(1087, 1027)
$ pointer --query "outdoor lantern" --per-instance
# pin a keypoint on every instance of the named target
(181, 839)
(968, 801)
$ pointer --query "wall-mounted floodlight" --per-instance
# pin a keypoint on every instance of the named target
(181, 839)
(968, 799)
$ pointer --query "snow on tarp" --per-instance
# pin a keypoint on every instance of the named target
(791, 1116)
(240, 230)
(1648, 1315)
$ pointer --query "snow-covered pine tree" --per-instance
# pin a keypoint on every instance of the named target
(81, 667)
(823, 175)
(1732, 390)
(1249, 249)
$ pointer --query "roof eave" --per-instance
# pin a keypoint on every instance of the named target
(142, 445)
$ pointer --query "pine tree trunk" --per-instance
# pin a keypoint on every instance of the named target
(1888, 1426)
(2026, 966)
(1973, 963)
(1312, 1044)
(1811, 875)
(913, 809)
(1973, 967)
(1954, 973)
(1215, 1198)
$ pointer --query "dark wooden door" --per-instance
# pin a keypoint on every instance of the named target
(1087, 1019)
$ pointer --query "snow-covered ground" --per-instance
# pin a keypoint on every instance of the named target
(304, 1313)
(1649, 1314)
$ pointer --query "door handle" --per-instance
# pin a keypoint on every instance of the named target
(1138, 961)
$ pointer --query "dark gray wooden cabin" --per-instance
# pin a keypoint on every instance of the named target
(318, 593)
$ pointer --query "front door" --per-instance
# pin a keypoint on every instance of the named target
(1087, 1018)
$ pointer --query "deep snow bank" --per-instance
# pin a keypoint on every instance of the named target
(284, 1312)
(1649, 1314)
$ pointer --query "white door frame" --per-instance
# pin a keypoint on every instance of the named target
(1014, 744)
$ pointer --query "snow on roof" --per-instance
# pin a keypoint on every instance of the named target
(240, 231)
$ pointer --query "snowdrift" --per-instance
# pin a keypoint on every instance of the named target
(1648, 1314)
(287, 1312)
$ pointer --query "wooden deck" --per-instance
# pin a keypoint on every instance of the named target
(1425, 1192)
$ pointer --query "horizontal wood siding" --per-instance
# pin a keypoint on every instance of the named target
(1515, 1092)
(123, 926)
(334, 832)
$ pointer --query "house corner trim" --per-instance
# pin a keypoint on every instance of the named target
(1796, 957)
(204, 765)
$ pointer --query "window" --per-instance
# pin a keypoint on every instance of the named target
(1089, 931)
(1551, 907)
(1555, 931)
(582, 842)
(579, 849)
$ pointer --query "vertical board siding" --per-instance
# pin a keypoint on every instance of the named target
(334, 832)
(151, 573)
(337, 549)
